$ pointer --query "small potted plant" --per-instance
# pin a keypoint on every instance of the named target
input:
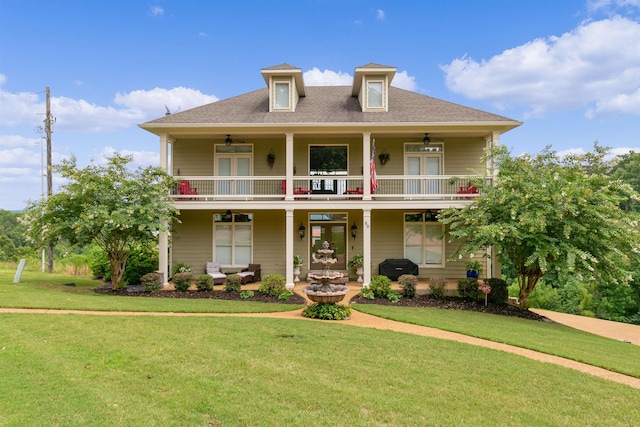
(297, 262)
(474, 268)
(358, 261)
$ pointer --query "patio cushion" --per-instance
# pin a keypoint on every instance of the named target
(212, 267)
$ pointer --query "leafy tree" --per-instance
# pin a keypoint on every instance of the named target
(627, 169)
(546, 214)
(117, 208)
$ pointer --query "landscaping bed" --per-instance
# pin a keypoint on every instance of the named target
(130, 291)
(453, 303)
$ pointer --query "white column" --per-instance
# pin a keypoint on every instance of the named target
(289, 167)
(163, 236)
(366, 243)
(288, 252)
(366, 170)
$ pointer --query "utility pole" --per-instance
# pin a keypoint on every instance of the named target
(48, 121)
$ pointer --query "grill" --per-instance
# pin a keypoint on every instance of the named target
(394, 268)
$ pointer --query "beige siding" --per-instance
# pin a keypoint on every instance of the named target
(192, 240)
(269, 241)
(193, 157)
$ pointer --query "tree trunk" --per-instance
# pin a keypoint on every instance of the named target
(117, 261)
(528, 282)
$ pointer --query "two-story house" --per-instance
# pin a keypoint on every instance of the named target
(275, 172)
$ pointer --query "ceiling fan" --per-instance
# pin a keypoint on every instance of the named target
(228, 140)
(426, 140)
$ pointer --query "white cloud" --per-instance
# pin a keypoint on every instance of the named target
(315, 77)
(203, 34)
(80, 115)
(156, 10)
(380, 15)
(598, 63)
(404, 81)
(152, 102)
(140, 158)
(618, 151)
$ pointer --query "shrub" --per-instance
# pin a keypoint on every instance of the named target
(233, 283)
(181, 267)
(204, 282)
(272, 284)
(499, 292)
(408, 283)
(437, 287)
(468, 288)
(380, 286)
(285, 295)
(140, 262)
(246, 294)
(327, 311)
(151, 282)
(182, 281)
(394, 296)
(367, 293)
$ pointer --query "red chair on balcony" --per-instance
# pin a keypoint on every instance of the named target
(469, 189)
(297, 190)
(184, 187)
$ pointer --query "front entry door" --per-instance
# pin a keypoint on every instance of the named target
(335, 234)
(234, 165)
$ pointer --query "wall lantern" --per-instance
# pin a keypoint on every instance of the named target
(301, 231)
(354, 230)
(271, 158)
(384, 157)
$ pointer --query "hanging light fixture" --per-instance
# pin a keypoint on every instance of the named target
(354, 230)
(228, 140)
(427, 139)
(301, 231)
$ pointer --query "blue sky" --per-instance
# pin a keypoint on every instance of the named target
(569, 69)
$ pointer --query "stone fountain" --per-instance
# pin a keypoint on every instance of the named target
(324, 289)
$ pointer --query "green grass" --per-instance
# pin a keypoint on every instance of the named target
(44, 290)
(551, 338)
(84, 370)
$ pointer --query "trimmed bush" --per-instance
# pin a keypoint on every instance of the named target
(327, 311)
(285, 295)
(151, 282)
(182, 281)
(437, 287)
(499, 292)
(204, 282)
(181, 267)
(468, 288)
(380, 286)
(272, 284)
(367, 293)
(233, 283)
(246, 294)
(408, 283)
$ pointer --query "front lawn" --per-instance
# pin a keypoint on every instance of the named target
(551, 338)
(84, 370)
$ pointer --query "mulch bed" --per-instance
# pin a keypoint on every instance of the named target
(215, 294)
(447, 303)
(451, 303)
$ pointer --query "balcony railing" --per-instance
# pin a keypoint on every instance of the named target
(390, 187)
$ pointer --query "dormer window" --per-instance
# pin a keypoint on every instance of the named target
(286, 87)
(374, 94)
(371, 85)
(282, 96)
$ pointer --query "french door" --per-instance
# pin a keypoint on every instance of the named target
(234, 165)
(423, 164)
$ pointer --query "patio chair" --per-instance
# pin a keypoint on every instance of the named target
(251, 274)
(213, 270)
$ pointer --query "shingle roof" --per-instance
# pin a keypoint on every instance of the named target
(330, 104)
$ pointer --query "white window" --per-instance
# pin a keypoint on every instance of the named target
(374, 94)
(233, 238)
(423, 242)
(282, 96)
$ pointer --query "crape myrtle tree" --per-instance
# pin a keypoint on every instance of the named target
(111, 204)
(545, 213)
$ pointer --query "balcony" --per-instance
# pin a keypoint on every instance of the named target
(305, 188)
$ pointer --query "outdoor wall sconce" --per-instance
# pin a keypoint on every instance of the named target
(354, 230)
(301, 231)
(427, 139)
(384, 157)
(271, 158)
